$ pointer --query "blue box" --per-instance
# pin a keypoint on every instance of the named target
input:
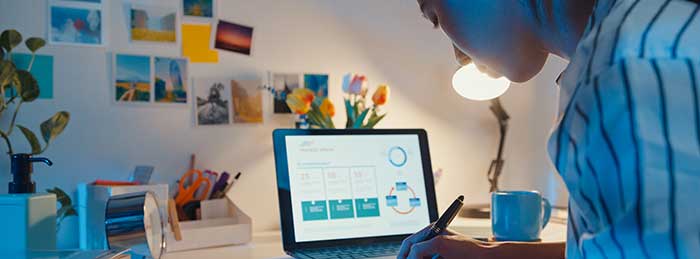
(392, 201)
(401, 186)
(414, 202)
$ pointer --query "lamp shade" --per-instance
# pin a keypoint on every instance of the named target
(472, 84)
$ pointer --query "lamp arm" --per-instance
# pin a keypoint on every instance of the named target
(496, 167)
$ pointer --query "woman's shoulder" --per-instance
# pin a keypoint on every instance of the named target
(637, 29)
(655, 29)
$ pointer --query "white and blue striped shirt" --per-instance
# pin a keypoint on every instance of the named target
(627, 141)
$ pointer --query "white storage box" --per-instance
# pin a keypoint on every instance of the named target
(222, 224)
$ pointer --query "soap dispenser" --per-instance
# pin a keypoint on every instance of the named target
(22, 170)
(28, 219)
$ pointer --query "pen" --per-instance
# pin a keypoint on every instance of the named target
(219, 186)
(444, 221)
(235, 179)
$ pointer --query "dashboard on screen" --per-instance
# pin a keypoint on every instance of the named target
(354, 186)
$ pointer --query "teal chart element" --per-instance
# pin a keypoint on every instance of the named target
(341, 209)
(414, 202)
(314, 210)
(401, 186)
(367, 207)
(398, 156)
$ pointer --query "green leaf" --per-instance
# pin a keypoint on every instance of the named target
(63, 212)
(360, 119)
(53, 127)
(315, 118)
(350, 114)
(373, 121)
(34, 44)
(61, 196)
(7, 72)
(29, 89)
(9, 39)
(71, 211)
(329, 122)
(31, 138)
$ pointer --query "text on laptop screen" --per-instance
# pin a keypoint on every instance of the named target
(356, 186)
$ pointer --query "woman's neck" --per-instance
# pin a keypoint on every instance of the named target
(564, 26)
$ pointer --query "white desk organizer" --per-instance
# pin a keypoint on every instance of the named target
(27, 221)
(222, 224)
(92, 200)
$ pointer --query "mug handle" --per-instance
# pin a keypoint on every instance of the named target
(547, 211)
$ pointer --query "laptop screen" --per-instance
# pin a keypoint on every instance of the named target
(354, 186)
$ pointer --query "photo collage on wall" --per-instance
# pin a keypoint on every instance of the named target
(144, 79)
(222, 101)
(152, 79)
(153, 23)
(76, 22)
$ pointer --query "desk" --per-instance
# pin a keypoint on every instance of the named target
(269, 244)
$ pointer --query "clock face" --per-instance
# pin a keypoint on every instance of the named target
(153, 225)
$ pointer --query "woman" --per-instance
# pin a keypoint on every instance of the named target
(627, 139)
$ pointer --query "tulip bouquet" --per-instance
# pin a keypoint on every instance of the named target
(356, 107)
(303, 101)
(319, 112)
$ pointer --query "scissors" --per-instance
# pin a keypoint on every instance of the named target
(187, 192)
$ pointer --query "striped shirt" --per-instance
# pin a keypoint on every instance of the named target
(627, 140)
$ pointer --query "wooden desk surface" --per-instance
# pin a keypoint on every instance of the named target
(269, 244)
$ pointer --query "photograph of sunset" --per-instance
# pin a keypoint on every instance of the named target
(234, 37)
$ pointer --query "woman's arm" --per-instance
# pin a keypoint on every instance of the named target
(454, 245)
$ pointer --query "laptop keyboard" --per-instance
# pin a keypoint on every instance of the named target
(349, 252)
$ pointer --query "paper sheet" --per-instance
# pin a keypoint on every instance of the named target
(195, 43)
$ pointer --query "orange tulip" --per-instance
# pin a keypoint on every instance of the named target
(299, 101)
(327, 108)
(381, 95)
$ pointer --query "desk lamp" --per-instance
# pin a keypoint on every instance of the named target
(472, 84)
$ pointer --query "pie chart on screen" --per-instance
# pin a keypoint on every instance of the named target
(398, 156)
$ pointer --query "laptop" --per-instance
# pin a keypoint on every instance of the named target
(353, 193)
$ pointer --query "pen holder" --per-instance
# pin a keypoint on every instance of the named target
(222, 224)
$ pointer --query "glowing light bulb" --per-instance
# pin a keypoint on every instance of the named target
(472, 84)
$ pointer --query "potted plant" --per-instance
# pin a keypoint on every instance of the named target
(18, 87)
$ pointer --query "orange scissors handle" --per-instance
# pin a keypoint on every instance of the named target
(186, 193)
(205, 191)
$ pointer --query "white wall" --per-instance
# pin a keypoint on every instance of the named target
(386, 40)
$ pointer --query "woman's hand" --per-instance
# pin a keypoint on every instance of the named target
(448, 245)
(451, 244)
